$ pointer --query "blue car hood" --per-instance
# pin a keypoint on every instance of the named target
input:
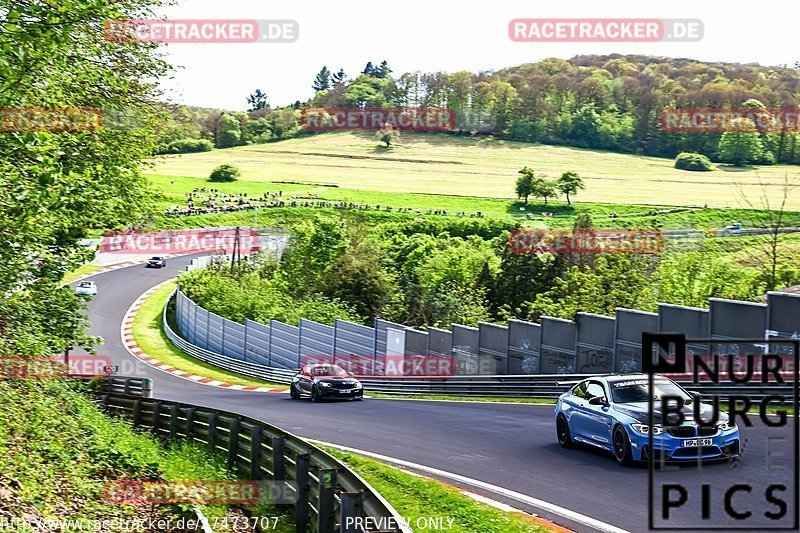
(639, 412)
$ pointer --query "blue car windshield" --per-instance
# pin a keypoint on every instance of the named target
(636, 390)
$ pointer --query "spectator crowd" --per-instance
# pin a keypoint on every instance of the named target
(209, 200)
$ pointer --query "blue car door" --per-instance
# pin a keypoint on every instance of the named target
(576, 405)
(595, 419)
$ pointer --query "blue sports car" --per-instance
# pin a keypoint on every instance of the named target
(611, 412)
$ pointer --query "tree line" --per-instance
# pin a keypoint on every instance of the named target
(608, 102)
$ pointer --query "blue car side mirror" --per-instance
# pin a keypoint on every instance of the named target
(598, 400)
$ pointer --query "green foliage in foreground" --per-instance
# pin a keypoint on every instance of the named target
(54, 185)
(418, 498)
(57, 451)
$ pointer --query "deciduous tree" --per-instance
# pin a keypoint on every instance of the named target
(570, 183)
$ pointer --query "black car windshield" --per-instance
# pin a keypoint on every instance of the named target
(329, 371)
(636, 390)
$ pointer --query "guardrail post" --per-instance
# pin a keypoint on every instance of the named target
(303, 488)
(278, 460)
(269, 345)
(137, 413)
(173, 421)
(105, 400)
(255, 453)
(208, 327)
(194, 322)
(333, 344)
(156, 417)
(222, 342)
(351, 508)
(190, 423)
(212, 431)
(126, 385)
(233, 441)
(325, 506)
(147, 388)
(244, 355)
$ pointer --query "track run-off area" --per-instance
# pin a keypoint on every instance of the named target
(507, 452)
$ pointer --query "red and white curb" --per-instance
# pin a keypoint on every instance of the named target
(133, 348)
(103, 270)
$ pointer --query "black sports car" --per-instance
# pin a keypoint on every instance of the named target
(323, 381)
(156, 262)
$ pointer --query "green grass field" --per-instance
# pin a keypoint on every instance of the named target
(149, 334)
(440, 164)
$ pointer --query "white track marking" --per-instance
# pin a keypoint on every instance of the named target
(522, 498)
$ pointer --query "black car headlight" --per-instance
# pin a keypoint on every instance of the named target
(357, 385)
(325, 384)
(644, 429)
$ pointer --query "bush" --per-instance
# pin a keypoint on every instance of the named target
(259, 296)
(224, 173)
(187, 146)
(694, 162)
(766, 158)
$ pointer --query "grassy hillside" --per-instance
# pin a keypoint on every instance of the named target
(443, 164)
(58, 451)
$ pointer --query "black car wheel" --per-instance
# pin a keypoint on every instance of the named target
(562, 430)
(622, 447)
(294, 394)
(316, 394)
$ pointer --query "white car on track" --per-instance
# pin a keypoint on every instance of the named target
(86, 288)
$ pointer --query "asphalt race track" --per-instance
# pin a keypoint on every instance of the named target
(510, 446)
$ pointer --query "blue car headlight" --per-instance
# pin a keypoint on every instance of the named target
(644, 429)
(726, 425)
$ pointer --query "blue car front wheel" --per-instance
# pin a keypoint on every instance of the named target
(622, 447)
(562, 430)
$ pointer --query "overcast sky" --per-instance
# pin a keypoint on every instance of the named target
(431, 35)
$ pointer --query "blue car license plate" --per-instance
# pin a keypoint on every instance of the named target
(693, 443)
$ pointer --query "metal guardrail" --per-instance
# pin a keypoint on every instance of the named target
(131, 386)
(326, 492)
(254, 370)
(546, 386)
